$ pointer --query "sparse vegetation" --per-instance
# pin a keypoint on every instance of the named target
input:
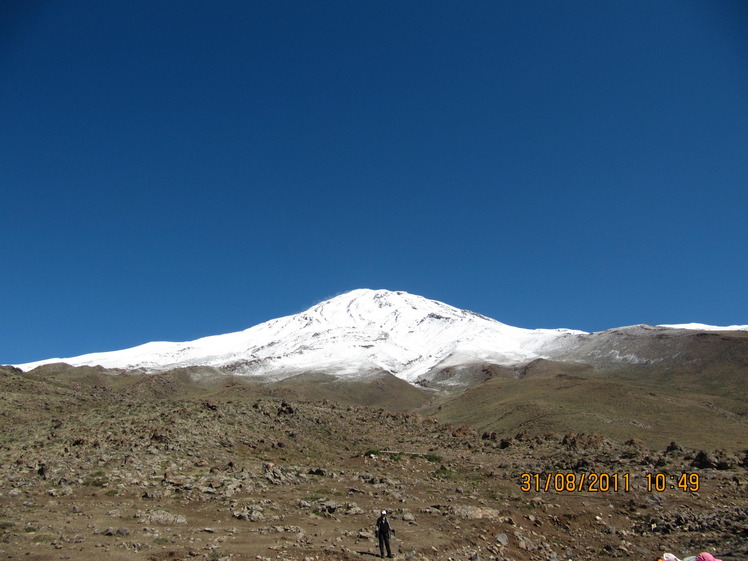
(443, 472)
(96, 479)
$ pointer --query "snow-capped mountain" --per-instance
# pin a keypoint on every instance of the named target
(370, 331)
(358, 332)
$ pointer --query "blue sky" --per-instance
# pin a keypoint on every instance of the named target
(171, 170)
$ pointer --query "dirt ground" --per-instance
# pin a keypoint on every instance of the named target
(121, 477)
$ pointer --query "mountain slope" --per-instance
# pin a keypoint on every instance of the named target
(633, 403)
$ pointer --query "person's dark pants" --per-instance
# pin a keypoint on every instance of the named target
(384, 541)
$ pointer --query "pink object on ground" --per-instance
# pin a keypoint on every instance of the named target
(704, 556)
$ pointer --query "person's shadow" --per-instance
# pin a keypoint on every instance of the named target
(369, 553)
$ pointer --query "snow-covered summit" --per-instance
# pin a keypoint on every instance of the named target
(356, 332)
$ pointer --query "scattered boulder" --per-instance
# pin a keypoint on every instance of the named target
(251, 513)
(474, 512)
(704, 460)
(285, 409)
(162, 517)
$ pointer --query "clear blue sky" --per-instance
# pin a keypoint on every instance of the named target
(171, 170)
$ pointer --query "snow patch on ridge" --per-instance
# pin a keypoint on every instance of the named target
(704, 327)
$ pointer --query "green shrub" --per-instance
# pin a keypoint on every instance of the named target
(43, 538)
(442, 472)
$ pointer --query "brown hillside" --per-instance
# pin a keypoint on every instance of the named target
(232, 473)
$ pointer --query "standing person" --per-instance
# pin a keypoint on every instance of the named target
(382, 532)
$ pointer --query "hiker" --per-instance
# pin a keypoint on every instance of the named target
(382, 532)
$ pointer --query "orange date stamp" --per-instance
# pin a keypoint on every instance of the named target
(575, 482)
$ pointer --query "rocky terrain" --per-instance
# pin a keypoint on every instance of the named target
(178, 466)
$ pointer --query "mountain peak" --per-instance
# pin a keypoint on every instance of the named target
(365, 306)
